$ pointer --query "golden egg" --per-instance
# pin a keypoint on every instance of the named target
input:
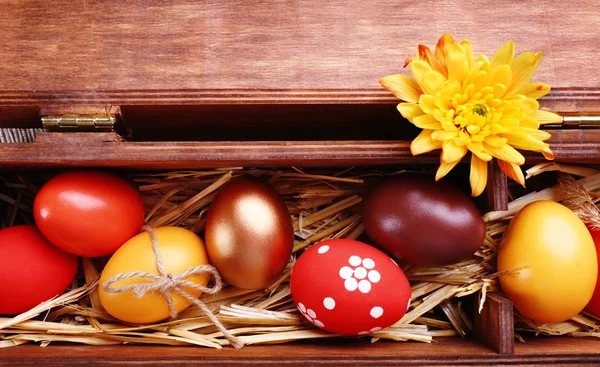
(180, 250)
(557, 256)
(249, 233)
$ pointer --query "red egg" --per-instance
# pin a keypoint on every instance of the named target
(88, 213)
(349, 288)
(594, 305)
(32, 270)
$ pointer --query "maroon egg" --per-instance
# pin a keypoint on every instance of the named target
(422, 222)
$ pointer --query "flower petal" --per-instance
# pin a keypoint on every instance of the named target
(402, 86)
(452, 152)
(525, 142)
(477, 149)
(501, 75)
(523, 67)
(546, 117)
(432, 82)
(527, 105)
(513, 171)
(450, 88)
(474, 69)
(443, 135)
(423, 143)
(513, 112)
(444, 168)
(530, 123)
(534, 133)
(504, 55)
(410, 110)
(468, 47)
(409, 60)
(418, 68)
(427, 122)
(442, 103)
(445, 41)
(478, 176)
(426, 55)
(480, 80)
(499, 90)
(446, 124)
(427, 103)
(456, 60)
(506, 153)
(547, 153)
(486, 66)
(534, 90)
(496, 141)
(530, 142)
(462, 139)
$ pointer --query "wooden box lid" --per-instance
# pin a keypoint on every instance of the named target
(182, 53)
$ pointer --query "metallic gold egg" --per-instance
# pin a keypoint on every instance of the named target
(249, 234)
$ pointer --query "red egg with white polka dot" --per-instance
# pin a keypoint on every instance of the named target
(349, 288)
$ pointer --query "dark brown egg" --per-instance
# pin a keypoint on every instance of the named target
(422, 222)
(249, 234)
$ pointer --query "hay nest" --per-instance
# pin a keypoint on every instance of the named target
(323, 205)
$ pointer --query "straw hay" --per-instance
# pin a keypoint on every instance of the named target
(323, 205)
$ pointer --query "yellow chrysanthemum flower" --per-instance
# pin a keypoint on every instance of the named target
(487, 107)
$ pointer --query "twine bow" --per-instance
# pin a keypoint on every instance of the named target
(166, 283)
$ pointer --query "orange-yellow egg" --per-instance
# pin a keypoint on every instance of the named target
(180, 249)
(558, 257)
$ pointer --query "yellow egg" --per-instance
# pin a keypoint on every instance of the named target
(180, 249)
(558, 255)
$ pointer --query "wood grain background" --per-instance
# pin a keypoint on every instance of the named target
(208, 45)
(102, 150)
(445, 352)
(182, 53)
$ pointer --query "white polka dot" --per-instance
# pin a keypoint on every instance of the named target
(351, 284)
(368, 263)
(376, 312)
(354, 260)
(301, 307)
(323, 249)
(329, 303)
(311, 313)
(374, 276)
(363, 333)
(319, 323)
(364, 286)
(408, 305)
(360, 273)
(346, 272)
(308, 318)
(375, 329)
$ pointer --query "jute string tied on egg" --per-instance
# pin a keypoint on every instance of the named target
(166, 283)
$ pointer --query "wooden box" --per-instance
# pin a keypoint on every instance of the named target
(195, 85)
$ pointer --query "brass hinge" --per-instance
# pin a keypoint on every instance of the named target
(79, 122)
(581, 121)
(577, 122)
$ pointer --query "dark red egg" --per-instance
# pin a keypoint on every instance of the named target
(422, 222)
